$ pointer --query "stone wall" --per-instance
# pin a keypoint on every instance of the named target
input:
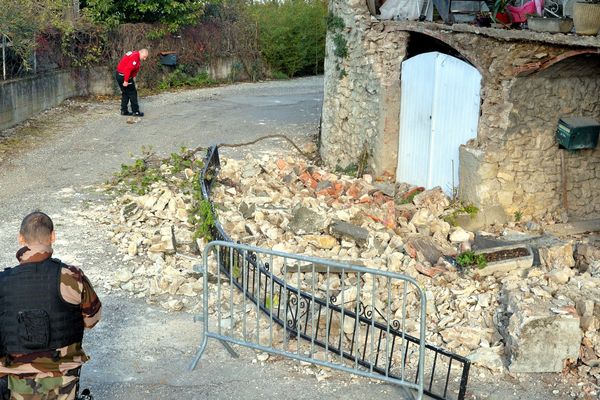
(22, 98)
(514, 163)
(535, 173)
(362, 92)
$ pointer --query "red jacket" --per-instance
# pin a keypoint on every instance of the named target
(129, 65)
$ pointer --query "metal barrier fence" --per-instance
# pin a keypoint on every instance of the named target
(339, 309)
(442, 374)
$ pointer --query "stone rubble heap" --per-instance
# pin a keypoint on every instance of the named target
(543, 318)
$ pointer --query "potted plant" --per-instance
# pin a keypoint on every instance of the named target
(586, 17)
(499, 13)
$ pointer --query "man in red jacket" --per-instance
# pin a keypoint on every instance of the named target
(127, 70)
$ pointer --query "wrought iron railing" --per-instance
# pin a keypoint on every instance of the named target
(445, 373)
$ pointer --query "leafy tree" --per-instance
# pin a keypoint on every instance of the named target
(292, 34)
(172, 13)
(22, 20)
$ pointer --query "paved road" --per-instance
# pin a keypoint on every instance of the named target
(89, 141)
(139, 351)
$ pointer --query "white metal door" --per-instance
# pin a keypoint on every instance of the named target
(439, 111)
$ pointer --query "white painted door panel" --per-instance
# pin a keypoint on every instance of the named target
(439, 112)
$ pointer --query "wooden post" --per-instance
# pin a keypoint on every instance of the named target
(563, 173)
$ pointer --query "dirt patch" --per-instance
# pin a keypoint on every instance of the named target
(502, 255)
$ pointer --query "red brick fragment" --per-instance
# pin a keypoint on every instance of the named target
(411, 193)
(353, 192)
(317, 176)
(390, 217)
(281, 164)
(374, 218)
(308, 180)
(428, 271)
(365, 198)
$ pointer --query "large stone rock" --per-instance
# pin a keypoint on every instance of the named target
(426, 246)
(557, 256)
(488, 357)
(306, 221)
(434, 200)
(539, 337)
(247, 210)
(321, 241)
(345, 230)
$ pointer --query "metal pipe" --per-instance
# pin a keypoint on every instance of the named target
(4, 56)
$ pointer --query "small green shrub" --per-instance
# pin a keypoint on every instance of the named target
(138, 177)
(279, 75)
(179, 162)
(341, 45)
(180, 78)
(468, 209)
(470, 259)
(291, 34)
(350, 170)
(202, 217)
(333, 22)
(518, 216)
(275, 302)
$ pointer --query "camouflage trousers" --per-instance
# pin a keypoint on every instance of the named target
(59, 388)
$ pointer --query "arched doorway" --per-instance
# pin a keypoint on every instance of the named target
(439, 111)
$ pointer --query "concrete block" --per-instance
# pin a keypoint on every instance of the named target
(543, 344)
(539, 337)
(503, 267)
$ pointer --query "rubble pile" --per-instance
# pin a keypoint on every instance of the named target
(501, 319)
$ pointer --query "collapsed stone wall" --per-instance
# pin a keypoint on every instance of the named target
(514, 163)
(535, 318)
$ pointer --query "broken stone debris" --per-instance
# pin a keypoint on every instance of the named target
(288, 205)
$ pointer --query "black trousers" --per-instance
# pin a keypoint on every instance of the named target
(4, 393)
(128, 94)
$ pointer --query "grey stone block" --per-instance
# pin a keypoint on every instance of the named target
(306, 221)
(539, 337)
(346, 230)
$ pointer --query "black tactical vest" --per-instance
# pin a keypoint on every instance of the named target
(33, 315)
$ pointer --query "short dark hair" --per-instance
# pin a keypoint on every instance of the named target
(36, 227)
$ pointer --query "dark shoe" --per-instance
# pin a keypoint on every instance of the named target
(126, 113)
(138, 114)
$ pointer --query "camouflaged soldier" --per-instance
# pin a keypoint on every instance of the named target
(44, 307)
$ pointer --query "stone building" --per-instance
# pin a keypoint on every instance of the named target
(501, 152)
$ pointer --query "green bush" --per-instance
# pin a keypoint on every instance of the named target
(172, 13)
(279, 75)
(291, 35)
(180, 78)
(470, 259)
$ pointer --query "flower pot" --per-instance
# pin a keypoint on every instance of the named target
(503, 18)
(554, 25)
(586, 18)
(502, 264)
(483, 21)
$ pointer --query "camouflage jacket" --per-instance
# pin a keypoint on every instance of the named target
(75, 288)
